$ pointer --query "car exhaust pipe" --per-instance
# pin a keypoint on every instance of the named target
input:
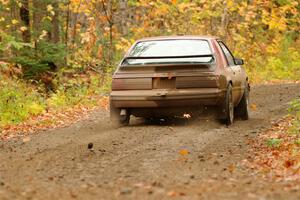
(123, 112)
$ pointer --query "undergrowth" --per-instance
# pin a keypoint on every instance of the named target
(294, 111)
(283, 64)
(20, 100)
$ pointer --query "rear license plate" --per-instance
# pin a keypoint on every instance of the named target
(164, 83)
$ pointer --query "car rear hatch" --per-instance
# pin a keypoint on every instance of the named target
(169, 76)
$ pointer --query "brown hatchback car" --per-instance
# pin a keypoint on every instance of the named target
(169, 76)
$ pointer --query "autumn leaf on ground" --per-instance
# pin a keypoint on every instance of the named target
(273, 151)
(172, 193)
(139, 185)
(231, 168)
(184, 152)
(253, 107)
(26, 139)
(289, 163)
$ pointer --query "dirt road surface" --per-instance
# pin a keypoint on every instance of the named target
(194, 159)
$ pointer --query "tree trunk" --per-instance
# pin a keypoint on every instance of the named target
(55, 23)
(67, 33)
(39, 11)
(124, 16)
(108, 11)
(75, 25)
(224, 21)
(25, 17)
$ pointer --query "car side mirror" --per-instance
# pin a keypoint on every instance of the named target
(238, 61)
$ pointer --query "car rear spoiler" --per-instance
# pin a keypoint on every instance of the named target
(169, 57)
(165, 57)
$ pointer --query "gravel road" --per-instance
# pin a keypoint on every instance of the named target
(182, 159)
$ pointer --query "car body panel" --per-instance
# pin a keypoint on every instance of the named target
(177, 85)
(166, 97)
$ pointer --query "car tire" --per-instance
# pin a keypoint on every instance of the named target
(117, 119)
(242, 110)
(229, 106)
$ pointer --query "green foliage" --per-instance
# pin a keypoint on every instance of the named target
(18, 102)
(294, 110)
(295, 107)
(274, 142)
(282, 2)
(68, 97)
(78, 91)
(297, 142)
(39, 59)
(285, 64)
(105, 85)
(9, 42)
(282, 64)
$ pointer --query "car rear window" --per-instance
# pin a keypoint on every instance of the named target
(170, 51)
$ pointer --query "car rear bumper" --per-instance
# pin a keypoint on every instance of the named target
(166, 98)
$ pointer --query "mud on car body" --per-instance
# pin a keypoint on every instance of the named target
(167, 76)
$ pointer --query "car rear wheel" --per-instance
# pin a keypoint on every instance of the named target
(242, 110)
(117, 119)
(229, 106)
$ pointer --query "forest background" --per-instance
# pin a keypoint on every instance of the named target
(57, 55)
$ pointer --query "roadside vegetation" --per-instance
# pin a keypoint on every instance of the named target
(276, 151)
(58, 55)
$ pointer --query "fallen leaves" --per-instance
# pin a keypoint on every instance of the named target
(289, 163)
(231, 168)
(275, 152)
(184, 152)
(253, 107)
(173, 193)
(26, 139)
(50, 120)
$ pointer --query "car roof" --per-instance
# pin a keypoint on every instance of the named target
(179, 37)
